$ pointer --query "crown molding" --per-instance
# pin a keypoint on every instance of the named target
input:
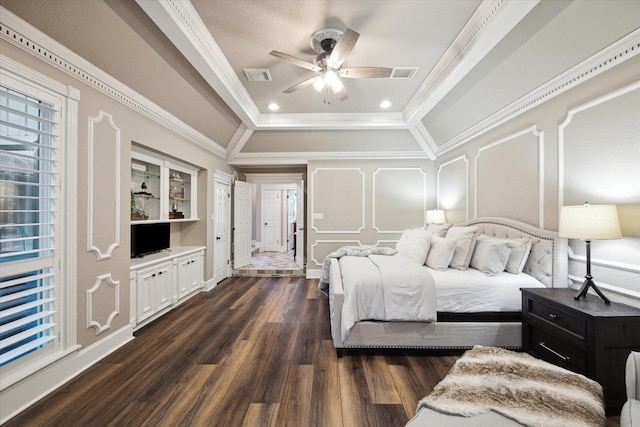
(31, 40)
(273, 178)
(615, 54)
(180, 22)
(424, 140)
(303, 158)
(331, 121)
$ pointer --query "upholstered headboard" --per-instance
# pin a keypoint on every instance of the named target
(547, 261)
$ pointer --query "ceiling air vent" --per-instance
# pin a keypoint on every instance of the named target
(404, 72)
(257, 74)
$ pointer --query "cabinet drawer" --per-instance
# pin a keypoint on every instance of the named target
(558, 317)
(557, 351)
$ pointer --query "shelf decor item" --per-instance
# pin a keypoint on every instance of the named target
(589, 222)
(176, 193)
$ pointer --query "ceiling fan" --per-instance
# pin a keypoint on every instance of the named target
(333, 47)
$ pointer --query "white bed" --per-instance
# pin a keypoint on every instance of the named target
(487, 313)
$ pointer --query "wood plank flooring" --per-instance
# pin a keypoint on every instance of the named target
(251, 352)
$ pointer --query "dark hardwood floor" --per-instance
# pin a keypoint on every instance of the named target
(251, 352)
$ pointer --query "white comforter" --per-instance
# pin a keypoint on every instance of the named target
(379, 287)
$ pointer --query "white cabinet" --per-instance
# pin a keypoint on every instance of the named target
(154, 290)
(159, 282)
(190, 274)
(162, 189)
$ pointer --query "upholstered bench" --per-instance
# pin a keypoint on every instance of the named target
(491, 386)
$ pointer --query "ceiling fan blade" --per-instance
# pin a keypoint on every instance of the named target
(303, 84)
(343, 48)
(366, 72)
(295, 61)
(339, 90)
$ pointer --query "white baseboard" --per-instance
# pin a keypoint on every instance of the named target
(209, 284)
(28, 391)
(313, 274)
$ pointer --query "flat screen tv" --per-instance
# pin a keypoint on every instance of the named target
(149, 238)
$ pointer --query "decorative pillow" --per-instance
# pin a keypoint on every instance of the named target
(438, 229)
(414, 243)
(490, 255)
(518, 257)
(464, 247)
(441, 252)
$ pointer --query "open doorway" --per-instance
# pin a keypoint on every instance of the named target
(278, 225)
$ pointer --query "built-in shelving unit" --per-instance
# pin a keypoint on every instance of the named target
(162, 189)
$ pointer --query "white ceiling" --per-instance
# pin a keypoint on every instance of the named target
(475, 58)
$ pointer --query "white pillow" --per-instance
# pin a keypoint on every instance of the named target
(518, 257)
(438, 229)
(466, 237)
(415, 243)
(441, 252)
(490, 255)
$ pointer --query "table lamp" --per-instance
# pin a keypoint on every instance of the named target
(589, 222)
(435, 216)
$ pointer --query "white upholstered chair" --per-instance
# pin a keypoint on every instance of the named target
(630, 415)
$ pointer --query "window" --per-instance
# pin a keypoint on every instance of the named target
(35, 325)
(29, 188)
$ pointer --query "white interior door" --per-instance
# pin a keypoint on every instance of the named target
(242, 213)
(291, 218)
(222, 213)
(300, 224)
(272, 219)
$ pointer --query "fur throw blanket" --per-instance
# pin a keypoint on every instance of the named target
(323, 285)
(518, 386)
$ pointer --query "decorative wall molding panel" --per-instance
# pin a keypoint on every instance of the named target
(103, 160)
(113, 284)
(347, 207)
(321, 248)
(614, 132)
(504, 171)
(452, 188)
(399, 199)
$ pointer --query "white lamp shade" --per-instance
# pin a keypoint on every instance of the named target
(435, 216)
(589, 222)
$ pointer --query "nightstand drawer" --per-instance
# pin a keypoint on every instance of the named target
(558, 318)
(557, 351)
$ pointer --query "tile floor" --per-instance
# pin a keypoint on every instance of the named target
(271, 264)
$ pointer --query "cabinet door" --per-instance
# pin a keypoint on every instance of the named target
(146, 304)
(196, 272)
(188, 274)
(182, 191)
(184, 276)
(162, 285)
(145, 187)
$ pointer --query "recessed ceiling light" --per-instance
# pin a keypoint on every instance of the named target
(273, 106)
(385, 104)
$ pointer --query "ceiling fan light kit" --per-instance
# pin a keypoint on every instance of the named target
(333, 47)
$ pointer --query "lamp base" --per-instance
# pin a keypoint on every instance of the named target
(589, 283)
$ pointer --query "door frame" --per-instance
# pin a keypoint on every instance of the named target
(282, 218)
(242, 244)
(285, 178)
(221, 178)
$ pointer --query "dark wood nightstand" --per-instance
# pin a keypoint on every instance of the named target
(586, 336)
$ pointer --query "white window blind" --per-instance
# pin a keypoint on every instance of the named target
(29, 221)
